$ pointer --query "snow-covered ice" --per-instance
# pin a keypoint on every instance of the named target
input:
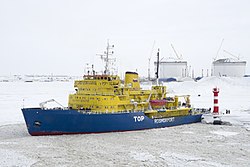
(188, 145)
(15, 95)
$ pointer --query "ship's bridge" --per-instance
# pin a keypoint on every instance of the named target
(97, 84)
(101, 77)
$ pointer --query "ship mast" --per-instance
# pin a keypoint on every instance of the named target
(108, 59)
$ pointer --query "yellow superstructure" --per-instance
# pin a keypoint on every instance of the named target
(106, 93)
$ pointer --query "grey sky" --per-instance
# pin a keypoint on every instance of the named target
(61, 36)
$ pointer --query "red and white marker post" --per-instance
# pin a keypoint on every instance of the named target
(216, 106)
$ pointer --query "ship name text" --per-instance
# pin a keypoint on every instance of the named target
(163, 120)
(138, 118)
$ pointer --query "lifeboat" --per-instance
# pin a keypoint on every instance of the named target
(158, 102)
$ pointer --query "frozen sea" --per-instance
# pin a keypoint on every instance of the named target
(188, 145)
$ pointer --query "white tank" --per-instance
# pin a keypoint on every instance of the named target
(172, 69)
(228, 67)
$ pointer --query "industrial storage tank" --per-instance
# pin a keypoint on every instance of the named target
(172, 69)
(229, 67)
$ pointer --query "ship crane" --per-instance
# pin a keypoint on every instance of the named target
(42, 104)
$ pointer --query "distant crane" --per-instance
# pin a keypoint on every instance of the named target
(237, 57)
(149, 59)
(178, 57)
(217, 54)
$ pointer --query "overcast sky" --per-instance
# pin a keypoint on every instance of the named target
(61, 36)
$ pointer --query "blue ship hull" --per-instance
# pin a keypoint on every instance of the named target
(57, 121)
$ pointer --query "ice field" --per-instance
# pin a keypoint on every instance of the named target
(188, 145)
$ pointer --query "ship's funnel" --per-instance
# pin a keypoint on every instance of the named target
(132, 80)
